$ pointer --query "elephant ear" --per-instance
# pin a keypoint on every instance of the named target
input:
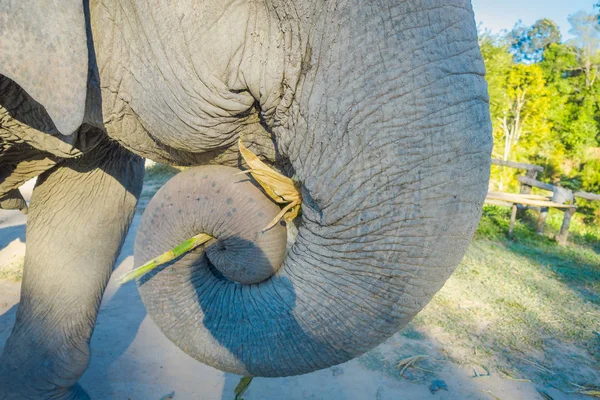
(43, 48)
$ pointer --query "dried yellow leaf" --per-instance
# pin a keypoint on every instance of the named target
(278, 187)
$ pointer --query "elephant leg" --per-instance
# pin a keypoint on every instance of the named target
(79, 215)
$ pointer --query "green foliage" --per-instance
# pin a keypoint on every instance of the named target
(160, 172)
(498, 64)
(527, 43)
(590, 176)
(528, 99)
(519, 99)
(156, 176)
(545, 103)
(581, 133)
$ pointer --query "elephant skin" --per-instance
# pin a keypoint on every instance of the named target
(379, 110)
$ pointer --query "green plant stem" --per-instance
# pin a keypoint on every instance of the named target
(241, 387)
(177, 251)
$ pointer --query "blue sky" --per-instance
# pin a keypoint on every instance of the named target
(503, 14)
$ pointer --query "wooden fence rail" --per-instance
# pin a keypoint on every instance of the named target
(511, 164)
(562, 199)
(524, 180)
(587, 196)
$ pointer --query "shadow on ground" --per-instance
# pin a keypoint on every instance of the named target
(576, 265)
(7, 321)
(10, 233)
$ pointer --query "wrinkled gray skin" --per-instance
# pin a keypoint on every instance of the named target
(379, 109)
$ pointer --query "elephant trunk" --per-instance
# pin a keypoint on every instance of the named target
(390, 138)
(228, 303)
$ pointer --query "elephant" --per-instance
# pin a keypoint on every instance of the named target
(378, 110)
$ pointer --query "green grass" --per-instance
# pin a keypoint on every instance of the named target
(156, 176)
(160, 172)
(526, 305)
(12, 271)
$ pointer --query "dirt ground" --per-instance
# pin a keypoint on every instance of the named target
(131, 359)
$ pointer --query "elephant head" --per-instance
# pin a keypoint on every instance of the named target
(391, 145)
(379, 110)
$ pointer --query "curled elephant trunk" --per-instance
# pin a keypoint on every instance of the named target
(241, 305)
(232, 303)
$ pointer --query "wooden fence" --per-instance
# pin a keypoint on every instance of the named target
(561, 199)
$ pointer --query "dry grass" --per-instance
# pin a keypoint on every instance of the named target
(528, 308)
(13, 271)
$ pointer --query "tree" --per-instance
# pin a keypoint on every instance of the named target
(571, 71)
(573, 115)
(518, 100)
(586, 29)
(525, 107)
(546, 108)
(498, 63)
(581, 133)
(527, 44)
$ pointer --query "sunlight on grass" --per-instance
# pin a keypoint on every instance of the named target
(156, 176)
(13, 271)
(161, 172)
(526, 305)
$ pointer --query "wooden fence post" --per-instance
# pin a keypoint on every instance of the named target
(564, 196)
(564, 229)
(541, 222)
(526, 189)
(562, 199)
(513, 218)
(588, 196)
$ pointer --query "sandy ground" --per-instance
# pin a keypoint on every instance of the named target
(133, 360)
